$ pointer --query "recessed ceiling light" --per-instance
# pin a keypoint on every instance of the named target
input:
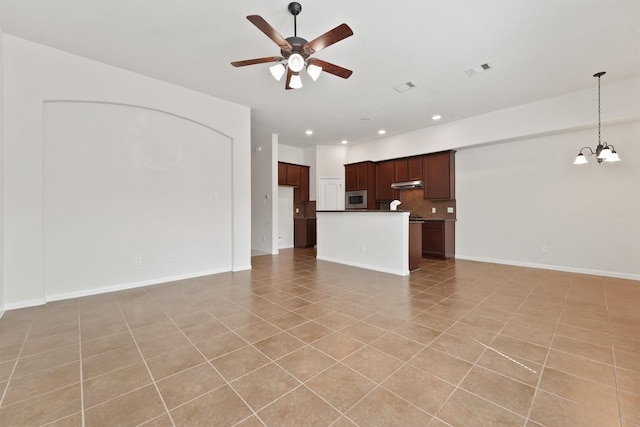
(344, 141)
(309, 132)
(436, 117)
(382, 132)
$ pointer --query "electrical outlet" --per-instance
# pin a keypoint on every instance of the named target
(214, 195)
(169, 258)
(138, 260)
(544, 249)
(361, 247)
(297, 210)
(450, 209)
(433, 210)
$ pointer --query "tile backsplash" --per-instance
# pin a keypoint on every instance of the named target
(414, 201)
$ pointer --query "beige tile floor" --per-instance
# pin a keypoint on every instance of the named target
(299, 342)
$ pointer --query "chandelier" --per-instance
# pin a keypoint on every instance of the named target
(604, 151)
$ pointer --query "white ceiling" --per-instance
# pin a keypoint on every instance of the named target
(539, 48)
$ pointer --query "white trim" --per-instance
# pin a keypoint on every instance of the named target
(114, 288)
(241, 268)
(25, 303)
(564, 268)
(367, 266)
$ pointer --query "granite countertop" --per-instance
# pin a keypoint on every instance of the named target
(411, 218)
(417, 218)
(367, 211)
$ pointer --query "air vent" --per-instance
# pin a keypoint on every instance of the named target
(405, 86)
(478, 69)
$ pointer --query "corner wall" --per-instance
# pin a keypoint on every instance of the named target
(35, 75)
(515, 198)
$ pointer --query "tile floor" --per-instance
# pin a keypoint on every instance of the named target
(298, 342)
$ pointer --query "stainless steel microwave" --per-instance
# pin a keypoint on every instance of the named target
(356, 199)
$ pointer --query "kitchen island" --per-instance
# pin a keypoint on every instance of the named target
(376, 240)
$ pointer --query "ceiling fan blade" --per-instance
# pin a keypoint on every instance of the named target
(330, 68)
(340, 32)
(270, 32)
(257, 61)
(288, 80)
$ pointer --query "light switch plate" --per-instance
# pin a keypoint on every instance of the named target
(450, 209)
(433, 210)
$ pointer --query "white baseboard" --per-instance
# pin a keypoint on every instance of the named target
(25, 303)
(566, 269)
(106, 289)
(367, 266)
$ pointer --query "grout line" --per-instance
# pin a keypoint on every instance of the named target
(153, 380)
(546, 358)
(15, 365)
(615, 365)
(505, 356)
(82, 414)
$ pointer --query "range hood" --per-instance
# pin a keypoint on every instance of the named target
(407, 185)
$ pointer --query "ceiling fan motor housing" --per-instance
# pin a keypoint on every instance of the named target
(294, 8)
(296, 43)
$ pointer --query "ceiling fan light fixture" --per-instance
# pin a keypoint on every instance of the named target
(314, 71)
(296, 62)
(296, 82)
(277, 71)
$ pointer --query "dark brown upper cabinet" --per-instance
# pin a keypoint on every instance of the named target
(359, 176)
(408, 169)
(384, 178)
(296, 176)
(439, 175)
(301, 192)
(414, 168)
(293, 175)
(400, 170)
(282, 173)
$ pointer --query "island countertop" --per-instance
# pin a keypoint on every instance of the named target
(411, 218)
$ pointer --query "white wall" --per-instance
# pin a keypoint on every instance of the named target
(285, 217)
(33, 75)
(289, 154)
(122, 182)
(261, 196)
(514, 198)
(516, 187)
(309, 159)
(1, 177)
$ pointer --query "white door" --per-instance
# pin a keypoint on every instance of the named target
(330, 194)
(285, 217)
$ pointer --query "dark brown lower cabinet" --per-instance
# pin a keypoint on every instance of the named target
(304, 232)
(439, 239)
(415, 245)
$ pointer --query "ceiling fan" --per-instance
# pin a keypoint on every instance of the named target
(296, 52)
